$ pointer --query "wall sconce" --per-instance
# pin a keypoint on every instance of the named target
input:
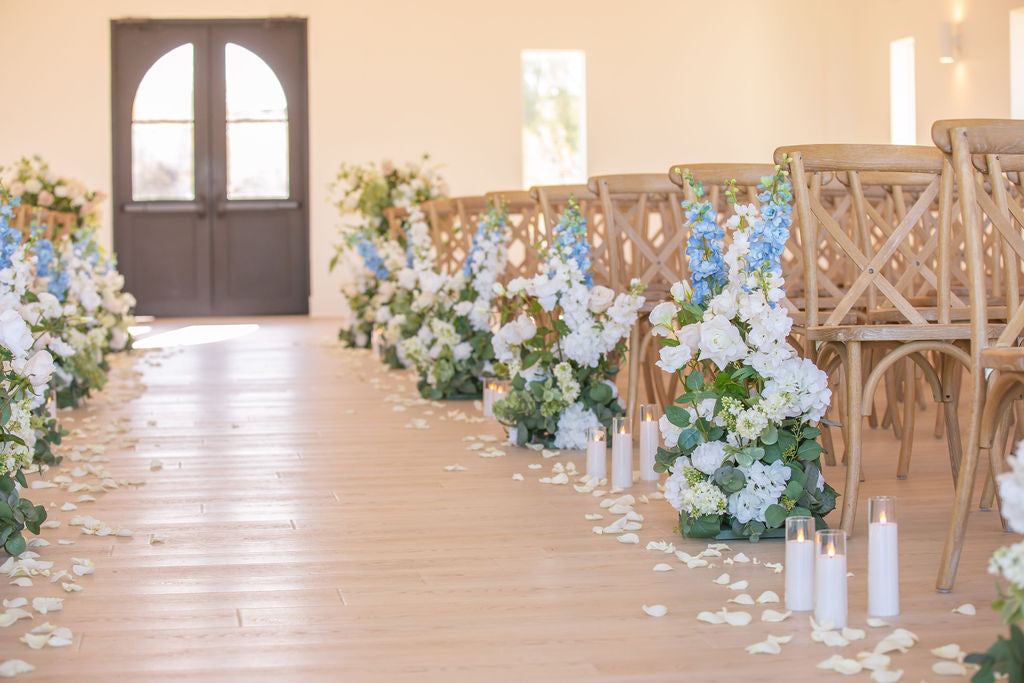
(949, 42)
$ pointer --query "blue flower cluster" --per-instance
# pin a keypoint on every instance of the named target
(494, 220)
(49, 266)
(367, 250)
(570, 240)
(708, 272)
(10, 237)
(768, 235)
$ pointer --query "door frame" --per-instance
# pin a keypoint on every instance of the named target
(121, 135)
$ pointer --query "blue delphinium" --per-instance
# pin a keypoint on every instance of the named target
(48, 265)
(768, 234)
(570, 240)
(708, 272)
(482, 239)
(367, 250)
(10, 237)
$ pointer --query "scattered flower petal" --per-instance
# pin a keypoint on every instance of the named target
(945, 668)
(662, 567)
(967, 609)
(767, 597)
(629, 538)
(655, 610)
(951, 651)
(14, 667)
(771, 615)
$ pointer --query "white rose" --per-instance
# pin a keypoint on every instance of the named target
(33, 186)
(674, 357)
(36, 370)
(720, 342)
(525, 328)
(708, 456)
(601, 298)
(15, 335)
(663, 315)
(669, 432)
(60, 191)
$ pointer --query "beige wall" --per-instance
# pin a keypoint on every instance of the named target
(668, 81)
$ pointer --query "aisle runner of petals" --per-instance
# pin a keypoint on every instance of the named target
(40, 586)
(738, 573)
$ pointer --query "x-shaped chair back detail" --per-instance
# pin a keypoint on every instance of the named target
(53, 224)
(523, 221)
(554, 200)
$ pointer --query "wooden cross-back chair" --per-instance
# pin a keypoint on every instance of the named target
(523, 220)
(643, 215)
(453, 223)
(396, 217)
(987, 157)
(876, 311)
(52, 224)
(554, 200)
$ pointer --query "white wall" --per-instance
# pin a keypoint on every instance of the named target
(669, 81)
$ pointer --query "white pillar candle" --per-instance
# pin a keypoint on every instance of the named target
(622, 453)
(830, 578)
(498, 390)
(800, 563)
(648, 443)
(597, 453)
(488, 397)
(883, 558)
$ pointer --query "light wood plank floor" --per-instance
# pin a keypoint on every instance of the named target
(312, 536)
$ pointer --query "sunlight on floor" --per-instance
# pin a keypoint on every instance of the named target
(193, 335)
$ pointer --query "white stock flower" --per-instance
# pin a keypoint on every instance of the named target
(15, 335)
(663, 317)
(669, 432)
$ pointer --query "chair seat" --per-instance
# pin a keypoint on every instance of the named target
(899, 333)
(1004, 359)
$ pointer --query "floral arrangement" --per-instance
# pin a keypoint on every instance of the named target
(24, 375)
(452, 348)
(367, 258)
(560, 343)
(741, 442)
(37, 185)
(1006, 656)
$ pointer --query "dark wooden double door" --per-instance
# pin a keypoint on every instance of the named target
(210, 165)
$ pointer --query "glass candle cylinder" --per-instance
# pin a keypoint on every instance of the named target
(648, 442)
(488, 397)
(622, 453)
(800, 563)
(499, 390)
(376, 337)
(830, 577)
(883, 558)
(597, 452)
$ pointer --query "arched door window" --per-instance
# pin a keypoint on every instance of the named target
(163, 129)
(257, 127)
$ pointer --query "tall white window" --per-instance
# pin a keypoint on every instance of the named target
(902, 108)
(554, 117)
(1017, 63)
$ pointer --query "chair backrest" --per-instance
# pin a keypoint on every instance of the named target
(452, 225)
(887, 262)
(396, 217)
(54, 224)
(554, 200)
(987, 157)
(523, 220)
(644, 217)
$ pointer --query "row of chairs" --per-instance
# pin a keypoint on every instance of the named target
(903, 269)
(52, 224)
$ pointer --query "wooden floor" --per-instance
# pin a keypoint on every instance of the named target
(310, 535)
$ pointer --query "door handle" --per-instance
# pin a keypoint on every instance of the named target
(257, 205)
(198, 208)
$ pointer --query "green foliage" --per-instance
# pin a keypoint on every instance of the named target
(1006, 656)
(16, 515)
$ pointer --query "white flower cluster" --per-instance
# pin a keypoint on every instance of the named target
(1008, 562)
(573, 424)
(794, 387)
(34, 364)
(1011, 491)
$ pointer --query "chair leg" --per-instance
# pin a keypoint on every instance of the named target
(634, 370)
(995, 461)
(854, 387)
(964, 486)
(892, 404)
(951, 394)
(909, 418)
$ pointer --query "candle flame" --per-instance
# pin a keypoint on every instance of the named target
(622, 429)
(831, 549)
(881, 517)
(800, 535)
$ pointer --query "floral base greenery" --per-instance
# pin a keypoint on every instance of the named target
(17, 514)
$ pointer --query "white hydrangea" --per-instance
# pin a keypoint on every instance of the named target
(709, 456)
(572, 426)
(703, 498)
